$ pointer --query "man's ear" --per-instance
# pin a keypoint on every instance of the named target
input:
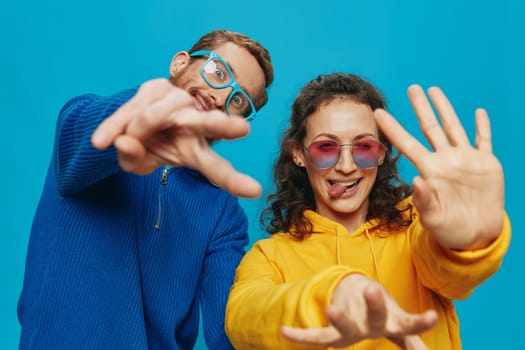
(179, 62)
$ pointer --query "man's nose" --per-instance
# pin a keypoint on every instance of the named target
(220, 96)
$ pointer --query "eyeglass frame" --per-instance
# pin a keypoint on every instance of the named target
(307, 149)
(233, 83)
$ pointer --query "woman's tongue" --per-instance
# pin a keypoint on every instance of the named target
(336, 190)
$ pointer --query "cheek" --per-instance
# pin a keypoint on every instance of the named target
(317, 179)
(187, 80)
(371, 177)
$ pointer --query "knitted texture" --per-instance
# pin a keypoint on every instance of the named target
(100, 274)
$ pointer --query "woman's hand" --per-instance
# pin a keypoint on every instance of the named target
(361, 309)
(459, 193)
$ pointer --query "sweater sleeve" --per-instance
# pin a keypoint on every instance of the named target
(451, 273)
(261, 302)
(77, 163)
(223, 255)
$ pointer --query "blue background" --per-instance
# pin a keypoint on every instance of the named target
(474, 50)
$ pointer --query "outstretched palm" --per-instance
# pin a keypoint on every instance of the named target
(459, 193)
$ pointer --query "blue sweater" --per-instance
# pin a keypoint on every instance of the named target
(121, 261)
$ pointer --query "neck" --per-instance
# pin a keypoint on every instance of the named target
(351, 221)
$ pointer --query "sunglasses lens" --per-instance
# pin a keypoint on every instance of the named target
(365, 153)
(323, 154)
(368, 153)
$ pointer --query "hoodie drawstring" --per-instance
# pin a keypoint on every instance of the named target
(338, 247)
(374, 260)
(374, 256)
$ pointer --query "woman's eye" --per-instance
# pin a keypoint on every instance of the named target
(327, 146)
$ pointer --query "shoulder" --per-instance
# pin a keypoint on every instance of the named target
(112, 101)
(274, 243)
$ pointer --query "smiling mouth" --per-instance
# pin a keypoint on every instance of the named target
(341, 184)
(338, 188)
(200, 104)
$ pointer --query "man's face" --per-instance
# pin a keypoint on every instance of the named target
(246, 70)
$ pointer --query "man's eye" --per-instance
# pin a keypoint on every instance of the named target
(219, 74)
(238, 101)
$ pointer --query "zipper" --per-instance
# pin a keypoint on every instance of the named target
(163, 182)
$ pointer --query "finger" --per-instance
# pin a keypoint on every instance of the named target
(422, 195)
(193, 151)
(483, 131)
(416, 323)
(376, 309)
(113, 126)
(133, 157)
(189, 121)
(414, 342)
(455, 132)
(221, 173)
(159, 115)
(400, 138)
(426, 117)
(345, 325)
(117, 123)
(218, 125)
(315, 336)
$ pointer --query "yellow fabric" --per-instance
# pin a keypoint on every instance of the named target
(282, 281)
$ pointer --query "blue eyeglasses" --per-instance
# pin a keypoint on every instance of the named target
(217, 73)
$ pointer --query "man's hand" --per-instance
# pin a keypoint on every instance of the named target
(161, 126)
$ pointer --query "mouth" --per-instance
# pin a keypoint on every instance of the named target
(337, 188)
(199, 101)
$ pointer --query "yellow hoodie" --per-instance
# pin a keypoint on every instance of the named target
(282, 281)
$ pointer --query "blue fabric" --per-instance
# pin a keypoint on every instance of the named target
(99, 275)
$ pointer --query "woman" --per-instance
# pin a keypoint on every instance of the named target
(357, 258)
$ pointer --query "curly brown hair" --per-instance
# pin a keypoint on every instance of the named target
(216, 38)
(294, 195)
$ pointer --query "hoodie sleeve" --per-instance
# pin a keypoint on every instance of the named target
(260, 302)
(451, 273)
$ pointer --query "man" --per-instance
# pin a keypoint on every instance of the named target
(135, 234)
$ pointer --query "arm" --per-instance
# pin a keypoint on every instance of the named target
(314, 311)
(462, 232)
(224, 253)
(455, 273)
(78, 165)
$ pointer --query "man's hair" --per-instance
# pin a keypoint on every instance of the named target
(220, 37)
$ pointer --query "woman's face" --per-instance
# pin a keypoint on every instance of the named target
(341, 192)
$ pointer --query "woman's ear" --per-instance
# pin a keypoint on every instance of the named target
(298, 156)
